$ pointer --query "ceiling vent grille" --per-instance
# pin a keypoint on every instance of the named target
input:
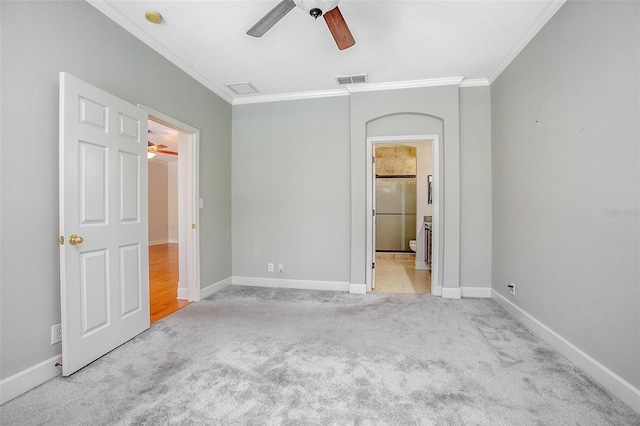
(352, 79)
(245, 88)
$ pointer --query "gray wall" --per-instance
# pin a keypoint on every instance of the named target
(440, 102)
(293, 161)
(290, 189)
(40, 39)
(475, 187)
(565, 128)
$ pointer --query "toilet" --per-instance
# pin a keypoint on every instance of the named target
(412, 245)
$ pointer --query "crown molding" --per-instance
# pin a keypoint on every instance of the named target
(289, 96)
(475, 82)
(545, 16)
(136, 31)
(409, 84)
(359, 88)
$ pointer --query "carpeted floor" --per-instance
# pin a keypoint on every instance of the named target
(262, 356)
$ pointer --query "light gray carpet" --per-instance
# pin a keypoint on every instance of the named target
(274, 356)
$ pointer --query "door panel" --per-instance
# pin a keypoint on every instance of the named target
(104, 279)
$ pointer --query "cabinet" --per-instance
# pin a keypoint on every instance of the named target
(428, 238)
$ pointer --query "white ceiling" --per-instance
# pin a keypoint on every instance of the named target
(398, 43)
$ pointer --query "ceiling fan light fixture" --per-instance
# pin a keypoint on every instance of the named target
(321, 6)
(315, 12)
(150, 154)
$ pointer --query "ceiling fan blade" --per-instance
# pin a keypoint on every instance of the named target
(339, 29)
(164, 151)
(271, 18)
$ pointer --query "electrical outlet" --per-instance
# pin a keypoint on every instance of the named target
(281, 267)
(56, 334)
(512, 288)
(270, 267)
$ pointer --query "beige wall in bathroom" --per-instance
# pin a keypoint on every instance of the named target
(396, 160)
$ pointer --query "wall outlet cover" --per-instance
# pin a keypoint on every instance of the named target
(56, 334)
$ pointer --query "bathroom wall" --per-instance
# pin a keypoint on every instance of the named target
(424, 164)
(395, 160)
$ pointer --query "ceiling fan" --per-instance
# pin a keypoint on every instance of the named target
(325, 8)
(153, 149)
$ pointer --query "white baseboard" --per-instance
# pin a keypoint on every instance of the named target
(209, 290)
(615, 384)
(357, 288)
(183, 293)
(157, 242)
(451, 293)
(28, 379)
(173, 241)
(288, 283)
(482, 292)
(423, 266)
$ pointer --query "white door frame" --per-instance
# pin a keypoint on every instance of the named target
(436, 283)
(188, 203)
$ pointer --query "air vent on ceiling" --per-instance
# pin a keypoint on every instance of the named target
(245, 88)
(352, 79)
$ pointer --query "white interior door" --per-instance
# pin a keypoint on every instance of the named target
(104, 257)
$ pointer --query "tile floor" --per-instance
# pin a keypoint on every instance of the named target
(396, 273)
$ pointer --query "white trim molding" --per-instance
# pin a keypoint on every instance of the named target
(475, 82)
(183, 294)
(357, 288)
(451, 293)
(550, 10)
(615, 384)
(358, 88)
(480, 292)
(209, 290)
(28, 379)
(288, 283)
(188, 200)
(290, 96)
(410, 84)
(126, 23)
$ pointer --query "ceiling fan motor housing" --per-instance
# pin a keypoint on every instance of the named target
(316, 8)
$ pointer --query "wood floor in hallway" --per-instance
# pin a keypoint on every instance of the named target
(396, 273)
(163, 281)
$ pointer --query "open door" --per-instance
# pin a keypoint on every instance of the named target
(104, 263)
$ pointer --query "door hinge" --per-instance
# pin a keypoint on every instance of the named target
(374, 212)
(373, 160)
(373, 265)
(193, 226)
(61, 240)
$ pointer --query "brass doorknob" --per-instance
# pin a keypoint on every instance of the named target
(75, 239)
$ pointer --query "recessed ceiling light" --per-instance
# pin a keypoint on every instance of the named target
(153, 17)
